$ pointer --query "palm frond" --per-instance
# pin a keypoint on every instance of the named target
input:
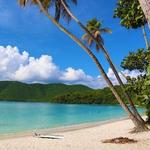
(96, 34)
(90, 42)
(46, 3)
(64, 12)
(85, 36)
(22, 2)
(59, 9)
(106, 30)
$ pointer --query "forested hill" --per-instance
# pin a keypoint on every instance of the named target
(56, 93)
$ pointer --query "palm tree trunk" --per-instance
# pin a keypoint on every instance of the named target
(145, 5)
(133, 108)
(145, 37)
(139, 126)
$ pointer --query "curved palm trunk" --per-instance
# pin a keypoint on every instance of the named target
(133, 108)
(145, 37)
(138, 124)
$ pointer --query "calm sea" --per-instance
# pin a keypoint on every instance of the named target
(19, 116)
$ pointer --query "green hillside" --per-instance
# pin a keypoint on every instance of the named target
(57, 93)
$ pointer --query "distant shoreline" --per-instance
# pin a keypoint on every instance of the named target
(107, 104)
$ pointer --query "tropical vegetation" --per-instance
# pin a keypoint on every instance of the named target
(139, 87)
(94, 27)
(62, 10)
(132, 17)
(55, 93)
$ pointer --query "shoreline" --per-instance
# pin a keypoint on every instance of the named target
(83, 137)
(62, 129)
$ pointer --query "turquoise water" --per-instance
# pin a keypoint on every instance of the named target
(19, 116)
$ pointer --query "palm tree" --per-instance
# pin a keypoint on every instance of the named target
(139, 126)
(94, 27)
(99, 44)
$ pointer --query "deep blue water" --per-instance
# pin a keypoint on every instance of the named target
(19, 116)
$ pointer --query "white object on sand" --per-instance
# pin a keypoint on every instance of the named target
(49, 136)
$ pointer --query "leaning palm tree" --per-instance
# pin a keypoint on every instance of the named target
(94, 27)
(139, 126)
(100, 45)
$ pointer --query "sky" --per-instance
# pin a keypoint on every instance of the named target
(33, 50)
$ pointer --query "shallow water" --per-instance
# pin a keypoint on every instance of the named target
(20, 116)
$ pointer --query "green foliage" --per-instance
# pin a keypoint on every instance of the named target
(95, 28)
(139, 87)
(92, 97)
(130, 14)
(11, 90)
(136, 60)
(94, 24)
(146, 92)
(55, 93)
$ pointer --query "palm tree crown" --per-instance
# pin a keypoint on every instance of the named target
(60, 11)
(94, 27)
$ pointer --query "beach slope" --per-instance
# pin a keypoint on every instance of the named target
(83, 139)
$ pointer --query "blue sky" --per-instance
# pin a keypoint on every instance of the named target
(29, 30)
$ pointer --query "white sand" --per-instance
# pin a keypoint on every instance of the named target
(83, 139)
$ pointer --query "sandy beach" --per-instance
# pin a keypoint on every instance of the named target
(84, 138)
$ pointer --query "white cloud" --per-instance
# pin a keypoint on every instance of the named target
(22, 67)
(37, 70)
(71, 74)
(112, 76)
(133, 74)
(123, 75)
(10, 60)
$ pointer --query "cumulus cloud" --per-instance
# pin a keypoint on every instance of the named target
(41, 69)
(72, 76)
(18, 66)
